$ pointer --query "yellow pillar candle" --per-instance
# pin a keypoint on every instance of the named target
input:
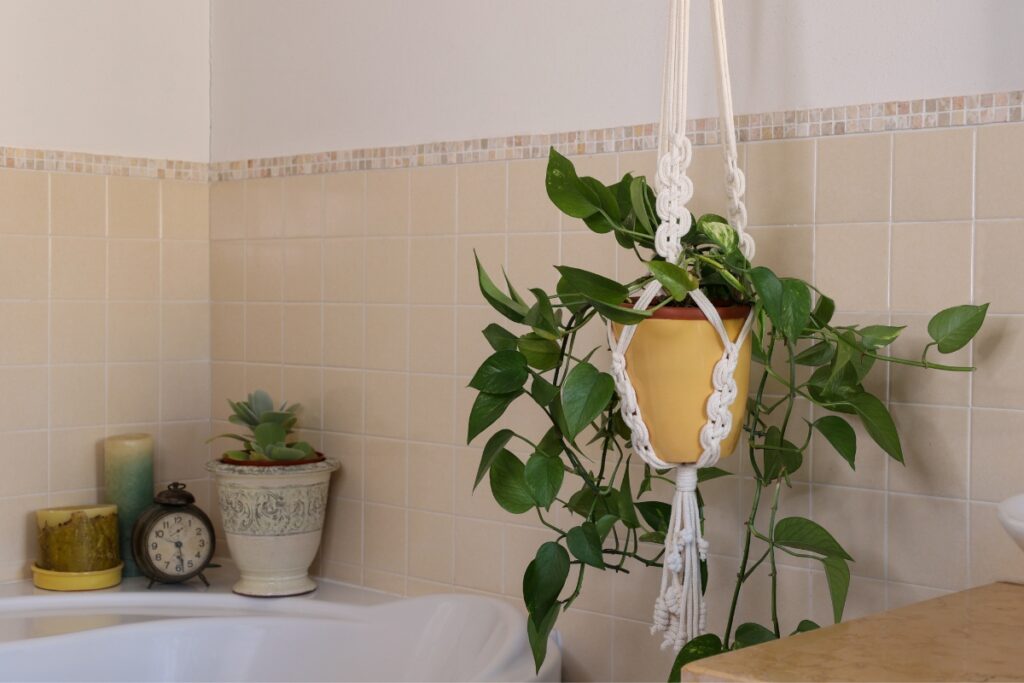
(128, 478)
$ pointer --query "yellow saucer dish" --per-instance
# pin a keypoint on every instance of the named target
(76, 581)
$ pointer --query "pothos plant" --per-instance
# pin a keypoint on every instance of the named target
(582, 461)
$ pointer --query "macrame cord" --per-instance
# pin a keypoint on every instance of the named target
(679, 611)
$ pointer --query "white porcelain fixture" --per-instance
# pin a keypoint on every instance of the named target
(1011, 514)
(273, 518)
(186, 635)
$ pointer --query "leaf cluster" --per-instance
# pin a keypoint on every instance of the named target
(270, 430)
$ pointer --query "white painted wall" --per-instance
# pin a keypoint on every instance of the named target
(311, 75)
(123, 77)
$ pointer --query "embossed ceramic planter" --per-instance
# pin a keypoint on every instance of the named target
(273, 519)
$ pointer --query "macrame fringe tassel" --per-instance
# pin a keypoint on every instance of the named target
(679, 611)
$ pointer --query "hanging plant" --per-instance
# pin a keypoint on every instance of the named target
(582, 461)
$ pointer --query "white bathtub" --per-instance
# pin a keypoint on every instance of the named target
(339, 634)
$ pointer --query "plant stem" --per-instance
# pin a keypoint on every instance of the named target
(771, 558)
(741, 575)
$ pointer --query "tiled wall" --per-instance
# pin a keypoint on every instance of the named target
(104, 329)
(354, 293)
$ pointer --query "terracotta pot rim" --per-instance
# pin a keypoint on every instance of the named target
(730, 312)
(320, 457)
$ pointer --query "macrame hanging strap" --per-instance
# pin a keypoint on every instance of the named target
(679, 611)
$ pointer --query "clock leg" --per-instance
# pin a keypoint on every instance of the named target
(151, 582)
(203, 579)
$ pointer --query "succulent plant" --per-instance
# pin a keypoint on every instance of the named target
(270, 430)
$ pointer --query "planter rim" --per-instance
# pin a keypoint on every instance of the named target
(731, 312)
(273, 463)
(220, 467)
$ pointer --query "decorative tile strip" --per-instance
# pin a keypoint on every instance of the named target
(102, 164)
(939, 112)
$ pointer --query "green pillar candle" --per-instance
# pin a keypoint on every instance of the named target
(128, 478)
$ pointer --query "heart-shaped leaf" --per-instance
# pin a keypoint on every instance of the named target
(508, 483)
(585, 394)
(503, 372)
(800, 533)
(486, 409)
(543, 476)
(565, 190)
(837, 575)
(584, 543)
(545, 577)
(676, 281)
(593, 286)
(840, 434)
(954, 327)
(494, 445)
(707, 645)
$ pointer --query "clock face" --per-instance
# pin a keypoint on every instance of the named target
(178, 544)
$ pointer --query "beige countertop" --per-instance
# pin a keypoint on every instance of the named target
(974, 635)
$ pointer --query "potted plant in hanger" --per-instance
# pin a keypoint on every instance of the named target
(273, 498)
(582, 461)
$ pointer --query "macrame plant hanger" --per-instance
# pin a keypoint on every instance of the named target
(679, 611)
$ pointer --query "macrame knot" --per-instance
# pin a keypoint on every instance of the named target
(686, 479)
(674, 561)
(702, 548)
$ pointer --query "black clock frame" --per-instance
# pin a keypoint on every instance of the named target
(174, 500)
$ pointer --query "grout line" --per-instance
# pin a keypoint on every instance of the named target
(970, 356)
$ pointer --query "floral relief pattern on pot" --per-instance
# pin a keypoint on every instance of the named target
(256, 511)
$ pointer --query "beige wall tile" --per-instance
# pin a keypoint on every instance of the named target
(387, 271)
(470, 345)
(387, 202)
(303, 270)
(227, 332)
(432, 200)
(77, 332)
(270, 378)
(999, 379)
(595, 253)
(263, 333)
(431, 408)
(432, 270)
(186, 270)
(343, 531)
(490, 249)
(587, 646)
(344, 270)
(934, 450)
(76, 458)
(531, 260)
(467, 502)
(185, 209)
(347, 482)
(135, 331)
(134, 208)
(227, 210)
(385, 471)
(788, 251)
(78, 204)
(227, 271)
(18, 527)
(78, 268)
(386, 337)
(994, 555)
(181, 451)
(998, 278)
(641, 164)
(918, 385)
(23, 267)
(998, 182)
(133, 393)
(707, 171)
(185, 391)
(77, 396)
(387, 395)
(478, 555)
(227, 381)
(23, 403)
(932, 175)
(384, 537)
(780, 182)
(852, 265)
(25, 196)
(25, 460)
(134, 270)
(482, 197)
(931, 266)
(853, 178)
(264, 208)
(529, 209)
(997, 464)
(343, 335)
(304, 386)
(343, 401)
(636, 654)
(928, 541)
(264, 270)
(432, 339)
(303, 206)
(345, 204)
(431, 470)
(185, 330)
(23, 336)
(303, 337)
(431, 541)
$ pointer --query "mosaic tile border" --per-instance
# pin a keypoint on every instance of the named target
(939, 112)
(102, 164)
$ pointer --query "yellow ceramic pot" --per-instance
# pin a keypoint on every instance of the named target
(670, 361)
